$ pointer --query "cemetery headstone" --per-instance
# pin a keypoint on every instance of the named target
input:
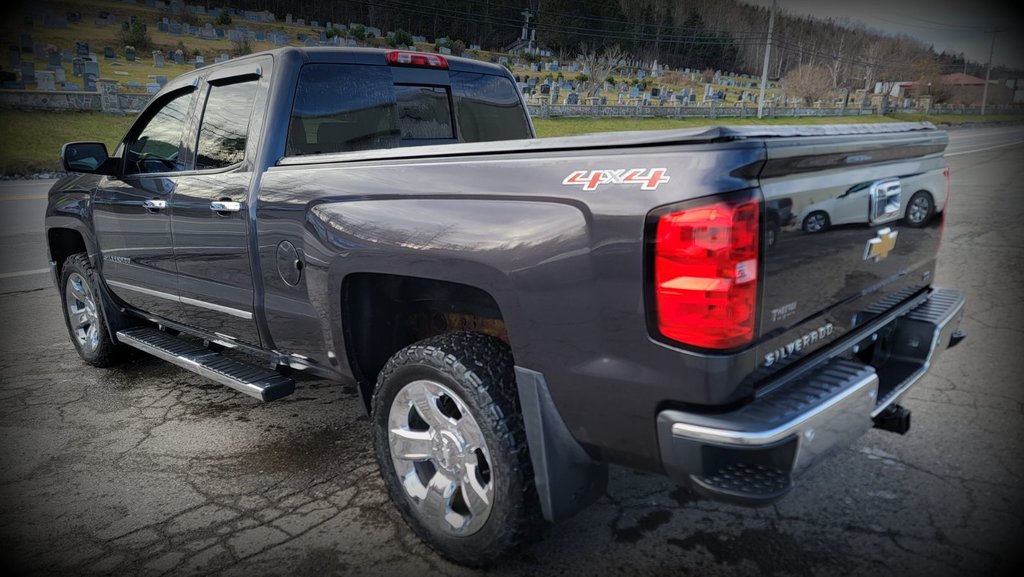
(82, 48)
(60, 76)
(160, 79)
(67, 55)
(28, 72)
(572, 99)
(200, 61)
(158, 59)
(108, 52)
(179, 57)
(77, 65)
(129, 53)
(13, 56)
(73, 17)
(54, 59)
(153, 88)
(90, 74)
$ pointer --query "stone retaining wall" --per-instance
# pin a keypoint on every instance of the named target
(107, 99)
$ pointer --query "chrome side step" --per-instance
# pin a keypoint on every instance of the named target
(259, 382)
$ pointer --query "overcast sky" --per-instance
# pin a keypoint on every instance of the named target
(953, 25)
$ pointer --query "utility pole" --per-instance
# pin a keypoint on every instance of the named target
(767, 55)
(988, 73)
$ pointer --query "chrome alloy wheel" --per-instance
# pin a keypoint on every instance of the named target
(82, 314)
(815, 222)
(919, 208)
(441, 458)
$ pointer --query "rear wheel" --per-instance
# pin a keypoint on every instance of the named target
(83, 313)
(451, 447)
(920, 209)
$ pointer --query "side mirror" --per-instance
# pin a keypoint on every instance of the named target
(88, 157)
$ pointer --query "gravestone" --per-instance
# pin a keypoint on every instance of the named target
(288, 19)
(153, 88)
(82, 49)
(72, 87)
(311, 42)
(200, 61)
(224, 57)
(158, 59)
(208, 32)
(39, 52)
(90, 74)
(73, 17)
(129, 53)
(235, 35)
(219, 32)
(174, 28)
(108, 52)
(301, 21)
(28, 72)
(67, 55)
(163, 27)
(634, 91)
(545, 89)
(60, 76)
(160, 79)
(26, 43)
(133, 84)
(323, 37)
(178, 57)
(77, 65)
(260, 36)
(314, 24)
(572, 99)
(125, 26)
(13, 56)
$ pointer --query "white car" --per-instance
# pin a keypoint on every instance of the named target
(852, 205)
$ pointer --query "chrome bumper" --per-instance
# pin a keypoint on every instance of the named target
(750, 454)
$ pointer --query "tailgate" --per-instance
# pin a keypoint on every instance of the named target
(838, 245)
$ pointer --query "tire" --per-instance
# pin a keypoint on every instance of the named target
(83, 313)
(771, 233)
(466, 488)
(920, 209)
(817, 221)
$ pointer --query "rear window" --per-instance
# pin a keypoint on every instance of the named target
(344, 107)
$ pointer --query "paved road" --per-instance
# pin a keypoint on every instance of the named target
(149, 470)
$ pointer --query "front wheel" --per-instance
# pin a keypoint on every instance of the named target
(451, 446)
(83, 312)
(817, 221)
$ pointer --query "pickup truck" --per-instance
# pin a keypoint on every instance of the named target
(517, 313)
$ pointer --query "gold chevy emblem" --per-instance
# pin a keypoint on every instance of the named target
(880, 246)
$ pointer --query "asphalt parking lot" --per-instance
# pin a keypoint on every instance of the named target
(147, 469)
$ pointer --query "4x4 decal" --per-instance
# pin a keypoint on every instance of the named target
(647, 178)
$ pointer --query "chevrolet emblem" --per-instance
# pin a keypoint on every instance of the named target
(879, 247)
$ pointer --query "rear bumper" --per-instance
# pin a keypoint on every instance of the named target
(749, 455)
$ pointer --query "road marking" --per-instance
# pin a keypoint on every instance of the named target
(24, 273)
(1004, 145)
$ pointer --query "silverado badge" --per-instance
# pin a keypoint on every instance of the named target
(879, 247)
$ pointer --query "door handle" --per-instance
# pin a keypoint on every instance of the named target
(225, 206)
(154, 204)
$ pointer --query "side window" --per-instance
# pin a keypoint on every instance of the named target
(342, 107)
(225, 127)
(488, 108)
(155, 148)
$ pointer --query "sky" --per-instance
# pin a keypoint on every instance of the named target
(951, 25)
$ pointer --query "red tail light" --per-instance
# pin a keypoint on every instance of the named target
(422, 59)
(705, 274)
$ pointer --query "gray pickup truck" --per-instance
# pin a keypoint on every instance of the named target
(721, 305)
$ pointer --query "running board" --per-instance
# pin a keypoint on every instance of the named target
(264, 384)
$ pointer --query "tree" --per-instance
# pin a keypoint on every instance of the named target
(400, 38)
(224, 18)
(601, 66)
(137, 36)
(809, 83)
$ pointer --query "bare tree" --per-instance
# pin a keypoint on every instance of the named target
(600, 66)
(809, 83)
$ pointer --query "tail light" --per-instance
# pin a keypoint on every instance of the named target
(705, 274)
(421, 59)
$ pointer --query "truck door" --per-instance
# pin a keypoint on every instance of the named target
(210, 221)
(131, 211)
